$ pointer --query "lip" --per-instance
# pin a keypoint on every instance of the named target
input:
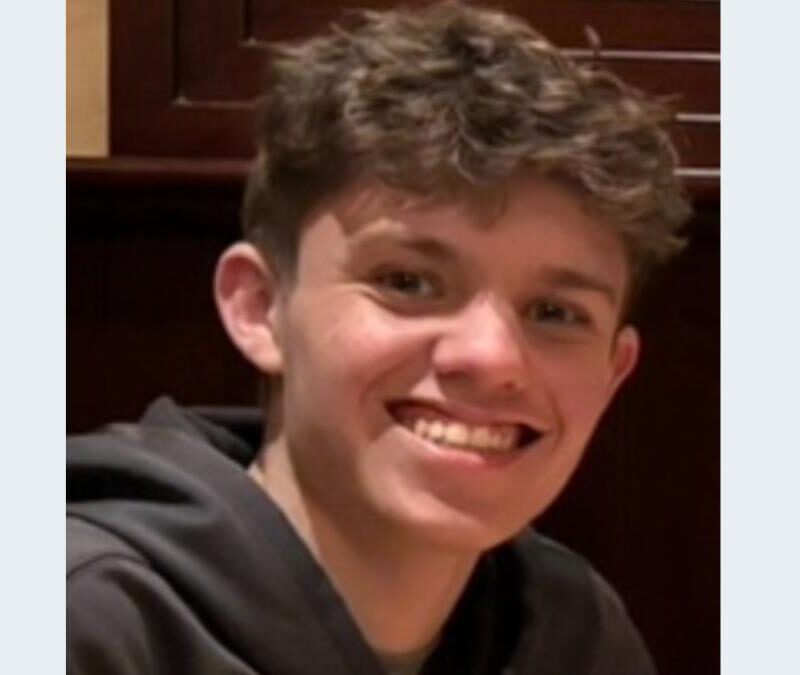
(531, 433)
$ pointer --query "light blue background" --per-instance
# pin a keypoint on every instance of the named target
(761, 338)
(32, 332)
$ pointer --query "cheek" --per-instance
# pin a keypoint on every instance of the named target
(579, 386)
(352, 347)
(343, 362)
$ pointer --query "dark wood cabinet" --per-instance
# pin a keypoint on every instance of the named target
(184, 75)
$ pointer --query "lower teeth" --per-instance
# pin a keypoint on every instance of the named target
(466, 446)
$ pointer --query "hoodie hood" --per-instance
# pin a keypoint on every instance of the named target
(174, 488)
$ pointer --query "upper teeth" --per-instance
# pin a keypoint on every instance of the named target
(456, 433)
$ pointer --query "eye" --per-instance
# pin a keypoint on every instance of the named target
(407, 283)
(558, 313)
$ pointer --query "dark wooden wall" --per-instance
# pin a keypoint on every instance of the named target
(145, 227)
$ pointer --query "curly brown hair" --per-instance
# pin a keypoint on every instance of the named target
(449, 99)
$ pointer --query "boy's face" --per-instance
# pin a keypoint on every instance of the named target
(443, 372)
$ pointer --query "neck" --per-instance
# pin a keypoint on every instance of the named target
(399, 590)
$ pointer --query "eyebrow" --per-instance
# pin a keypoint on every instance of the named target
(427, 246)
(432, 248)
(566, 277)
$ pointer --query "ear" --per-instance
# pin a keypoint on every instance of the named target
(624, 357)
(246, 291)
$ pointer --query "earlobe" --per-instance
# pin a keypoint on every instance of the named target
(625, 356)
(246, 291)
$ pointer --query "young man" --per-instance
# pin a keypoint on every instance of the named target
(446, 224)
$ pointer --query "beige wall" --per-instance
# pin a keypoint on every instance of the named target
(87, 78)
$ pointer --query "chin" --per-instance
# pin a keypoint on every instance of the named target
(458, 530)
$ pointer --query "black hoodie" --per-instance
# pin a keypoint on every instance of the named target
(177, 562)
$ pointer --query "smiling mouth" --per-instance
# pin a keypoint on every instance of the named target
(435, 427)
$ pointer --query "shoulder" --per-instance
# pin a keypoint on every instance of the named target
(106, 628)
(89, 544)
(573, 605)
(123, 617)
(554, 574)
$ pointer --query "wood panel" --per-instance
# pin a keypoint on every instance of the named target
(87, 78)
(141, 319)
(191, 92)
(622, 24)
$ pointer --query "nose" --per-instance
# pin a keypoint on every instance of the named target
(483, 345)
